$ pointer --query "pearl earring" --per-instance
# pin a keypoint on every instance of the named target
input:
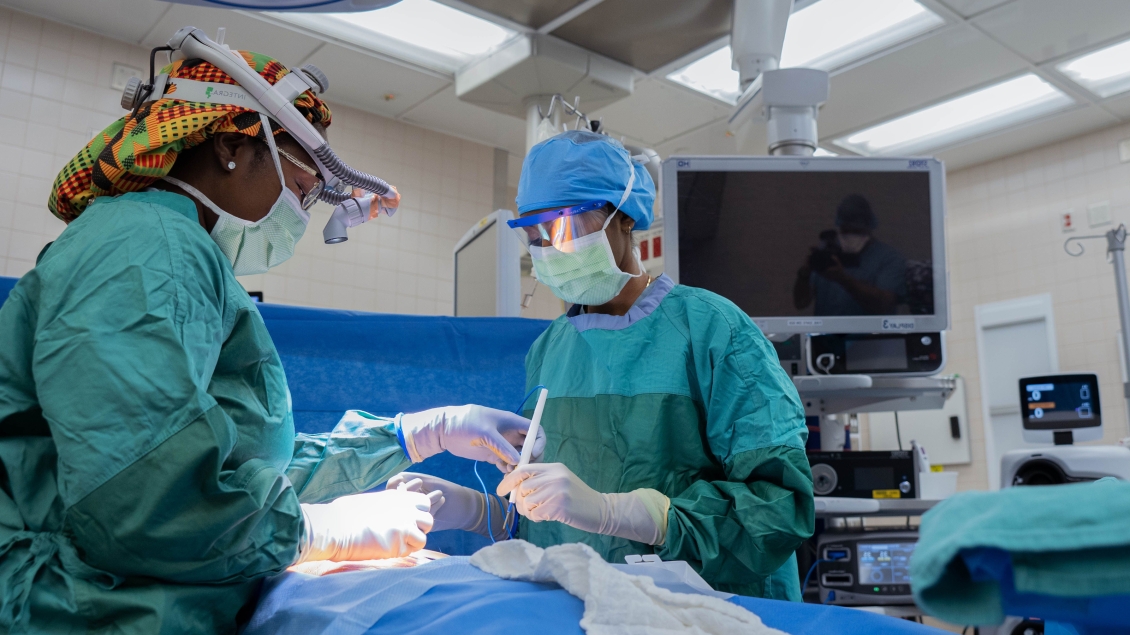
(231, 165)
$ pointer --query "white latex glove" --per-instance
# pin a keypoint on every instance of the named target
(472, 432)
(550, 491)
(463, 508)
(371, 526)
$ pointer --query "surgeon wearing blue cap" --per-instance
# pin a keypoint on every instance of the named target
(670, 426)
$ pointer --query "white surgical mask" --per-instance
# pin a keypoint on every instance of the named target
(853, 243)
(253, 247)
(584, 270)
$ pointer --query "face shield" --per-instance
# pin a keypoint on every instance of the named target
(561, 227)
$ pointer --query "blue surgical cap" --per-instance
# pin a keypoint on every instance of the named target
(579, 166)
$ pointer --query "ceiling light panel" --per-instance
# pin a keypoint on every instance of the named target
(420, 31)
(1104, 72)
(832, 33)
(826, 35)
(711, 75)
(981, 112)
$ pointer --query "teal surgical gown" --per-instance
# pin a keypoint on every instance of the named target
(150, 471)
(683, 395)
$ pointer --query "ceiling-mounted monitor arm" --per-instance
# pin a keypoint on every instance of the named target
(787, 100)
(757, 36)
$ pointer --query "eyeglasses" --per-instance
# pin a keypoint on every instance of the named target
(311, 197)
(559, 227)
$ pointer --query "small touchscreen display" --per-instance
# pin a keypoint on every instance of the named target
(1072, 402)
(885, 563)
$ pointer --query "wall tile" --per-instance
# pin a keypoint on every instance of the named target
(1005, 242)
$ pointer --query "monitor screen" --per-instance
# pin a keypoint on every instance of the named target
(1060, 402)
(884, 563)
(849, 245)
(873, 478)
(475, 285)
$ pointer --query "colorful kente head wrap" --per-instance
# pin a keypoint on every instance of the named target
(135, 151)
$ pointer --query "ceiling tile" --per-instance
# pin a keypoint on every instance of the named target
(531, 13)
(244, 32)
(657, 111)
(361, 80)
(952, 61)
(648, 34)
(126, 20)
(1041, 30)
(710, 139)
(1119, 106)
(444, 112)
(970, 8)
(1063, 126)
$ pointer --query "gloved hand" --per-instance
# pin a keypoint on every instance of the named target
(550, 491)
(472, 432)
(387, 524)
(463, 508)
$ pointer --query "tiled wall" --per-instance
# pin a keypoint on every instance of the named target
(1005, 242)
(55, 91)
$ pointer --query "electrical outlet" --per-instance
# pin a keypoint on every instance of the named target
(1099, 214)
(1067, 221)
(122, 74)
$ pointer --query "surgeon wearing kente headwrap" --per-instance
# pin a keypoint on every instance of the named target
(671, 427)
(151, 471)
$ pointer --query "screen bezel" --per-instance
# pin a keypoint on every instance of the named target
(823, 324)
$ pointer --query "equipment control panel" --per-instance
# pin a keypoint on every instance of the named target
(866, 568)
(898, 354)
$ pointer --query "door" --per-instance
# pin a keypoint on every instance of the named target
(1015, 338)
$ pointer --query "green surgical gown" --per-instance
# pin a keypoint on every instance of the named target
(149, 470)
(683, 395)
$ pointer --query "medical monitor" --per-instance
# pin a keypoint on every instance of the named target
(1061, 409)
(812, 245)
(487, 273)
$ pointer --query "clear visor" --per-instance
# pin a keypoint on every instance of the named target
(560, 227)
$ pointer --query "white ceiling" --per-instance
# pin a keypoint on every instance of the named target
(982, 42)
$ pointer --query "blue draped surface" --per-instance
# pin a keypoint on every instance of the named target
(452, 596)
(387, 364)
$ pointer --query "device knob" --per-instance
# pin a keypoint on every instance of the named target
(824, 479)
(316, 74)
(131, 93)
(904, 487)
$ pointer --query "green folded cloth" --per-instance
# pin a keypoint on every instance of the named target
(1064, 541)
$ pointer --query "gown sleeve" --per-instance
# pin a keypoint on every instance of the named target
(360, 453)
(125, 351)
(750, 522)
